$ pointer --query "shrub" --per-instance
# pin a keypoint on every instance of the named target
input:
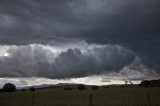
(94, 87)
(23, 89)
(81, 87)
(106, 87)
(145, 83)
(9, 87)
(150, 83)
(67, 88)
(32, 89)
(73, 88)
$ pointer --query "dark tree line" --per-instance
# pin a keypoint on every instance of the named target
(150, 83)
(9, 87)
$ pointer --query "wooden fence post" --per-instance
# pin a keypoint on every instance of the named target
(148, 98)
(33, 98)
(90, 99)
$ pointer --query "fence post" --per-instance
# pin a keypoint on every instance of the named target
(90, 99)
(148, 98)
(33, 96)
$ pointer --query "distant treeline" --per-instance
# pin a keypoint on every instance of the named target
(9, 87)
(150, 83)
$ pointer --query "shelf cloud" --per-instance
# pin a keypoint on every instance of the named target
(43, 37)
(45, 61)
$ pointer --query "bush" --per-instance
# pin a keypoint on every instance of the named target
(94, 87)
(106, 87)
(32, 89)
(150, 83)
(81, 87)
(145, 83)
(67, 88)
(9, 87)
(23, 89)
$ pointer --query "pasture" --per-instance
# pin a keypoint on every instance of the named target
(104, 96)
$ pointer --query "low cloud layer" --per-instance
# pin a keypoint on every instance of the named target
(46, 61)
(135, 71)
(28, 26)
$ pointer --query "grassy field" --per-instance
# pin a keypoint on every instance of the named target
(112, 96)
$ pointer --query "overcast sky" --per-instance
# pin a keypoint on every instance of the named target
(60, 39)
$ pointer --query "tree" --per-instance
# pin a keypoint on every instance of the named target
(150, 83)
(67, 88)
(32, 89)
(155, 83)
(81, 87)
(94, 87)
(9, 87)
(145, 83)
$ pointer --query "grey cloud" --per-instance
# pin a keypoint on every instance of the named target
(39, 61)
(92, 20)
(135, 71)
(17, 82)
(133, 24)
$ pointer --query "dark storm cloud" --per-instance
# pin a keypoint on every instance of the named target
(40, 61)
(133, 24)
(100, 21)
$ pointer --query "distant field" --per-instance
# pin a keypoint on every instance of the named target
(112, 96)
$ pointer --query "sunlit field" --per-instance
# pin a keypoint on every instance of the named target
(104, 96)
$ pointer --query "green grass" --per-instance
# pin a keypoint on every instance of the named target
(114, 96)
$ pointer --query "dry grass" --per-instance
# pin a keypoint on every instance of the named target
(114, 96)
